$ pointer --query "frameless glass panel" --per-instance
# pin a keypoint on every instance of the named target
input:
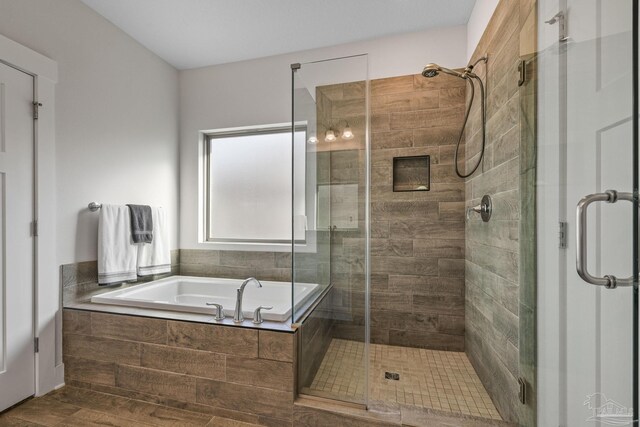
(329, 268)
(3, 311)
(3, 283)
(587, 330)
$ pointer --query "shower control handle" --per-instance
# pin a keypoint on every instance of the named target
(485, 208)
(608, 281)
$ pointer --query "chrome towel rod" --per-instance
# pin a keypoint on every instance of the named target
(93, 206)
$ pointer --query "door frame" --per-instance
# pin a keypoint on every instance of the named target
(49, 369)
(636, 185)
(33, 204)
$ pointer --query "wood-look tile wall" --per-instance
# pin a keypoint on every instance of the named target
(236, 264)
(238, 373)
(417, 250)
(275, 266)
(493, 301)
(417, 246)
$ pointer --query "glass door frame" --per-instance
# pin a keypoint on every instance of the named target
(636, 185)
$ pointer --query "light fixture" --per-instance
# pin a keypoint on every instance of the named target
(330, 136)
(312, 140)
(347, 133)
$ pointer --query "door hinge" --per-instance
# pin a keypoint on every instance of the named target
(562, 234)
(561, 19)
(36, 345)
(522, 390)
(522, 70)
(34, 228)
(36, 109)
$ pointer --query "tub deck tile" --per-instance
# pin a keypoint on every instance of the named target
(132, 328)
(276, 346)
(184, 361)
(214, 338)
(160, 383)
(260, 372)
(102, 349)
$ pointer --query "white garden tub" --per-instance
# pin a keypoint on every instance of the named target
(190, 294)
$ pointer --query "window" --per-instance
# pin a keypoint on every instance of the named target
(248, 185)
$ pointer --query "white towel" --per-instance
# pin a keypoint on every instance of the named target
(117, 256)
(155, 257)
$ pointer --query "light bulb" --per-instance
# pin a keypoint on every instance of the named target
(313, 140)
(330, 136)
(347, 133)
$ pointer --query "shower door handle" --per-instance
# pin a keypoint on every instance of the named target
(608, 281)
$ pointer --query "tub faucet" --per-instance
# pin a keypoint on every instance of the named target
(237, 314)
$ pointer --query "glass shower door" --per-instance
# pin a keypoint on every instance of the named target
(589, 113)
(330, 280)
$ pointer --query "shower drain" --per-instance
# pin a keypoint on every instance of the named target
(391, 376)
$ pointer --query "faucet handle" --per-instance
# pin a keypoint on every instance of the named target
(219, 310)
(257, 314)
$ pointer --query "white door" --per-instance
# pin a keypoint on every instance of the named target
(17, 358)
(598, 319)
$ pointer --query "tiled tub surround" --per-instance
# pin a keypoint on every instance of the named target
(499, 304)
(196, 294)
(237, 373)
(80, 280)
(80, 285)
(165, 372)
(274, 266)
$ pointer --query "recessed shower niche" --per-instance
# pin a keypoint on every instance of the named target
(411, 173)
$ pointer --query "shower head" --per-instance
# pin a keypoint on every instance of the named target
(432, 70)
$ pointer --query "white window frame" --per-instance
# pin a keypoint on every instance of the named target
(306, 245)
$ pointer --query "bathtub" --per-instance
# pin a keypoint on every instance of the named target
(190, 294)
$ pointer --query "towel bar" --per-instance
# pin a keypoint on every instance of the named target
(93, 206)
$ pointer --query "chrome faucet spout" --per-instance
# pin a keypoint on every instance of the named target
(237, 314)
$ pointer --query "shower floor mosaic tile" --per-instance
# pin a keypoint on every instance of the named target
(441, 380)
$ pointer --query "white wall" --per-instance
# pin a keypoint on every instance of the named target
(480, 17)
(259, 92)
(116, 117)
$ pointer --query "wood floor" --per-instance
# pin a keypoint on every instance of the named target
(71, 406)
(75, 407)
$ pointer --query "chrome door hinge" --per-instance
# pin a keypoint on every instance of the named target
(36, 109)
(34, 228)
(561, 19)
(522, 70)
(522, 390)
(562, 235)
(36, 345)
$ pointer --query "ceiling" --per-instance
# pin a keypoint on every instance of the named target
(197, 33)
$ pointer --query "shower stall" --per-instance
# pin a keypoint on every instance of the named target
(421, 303)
